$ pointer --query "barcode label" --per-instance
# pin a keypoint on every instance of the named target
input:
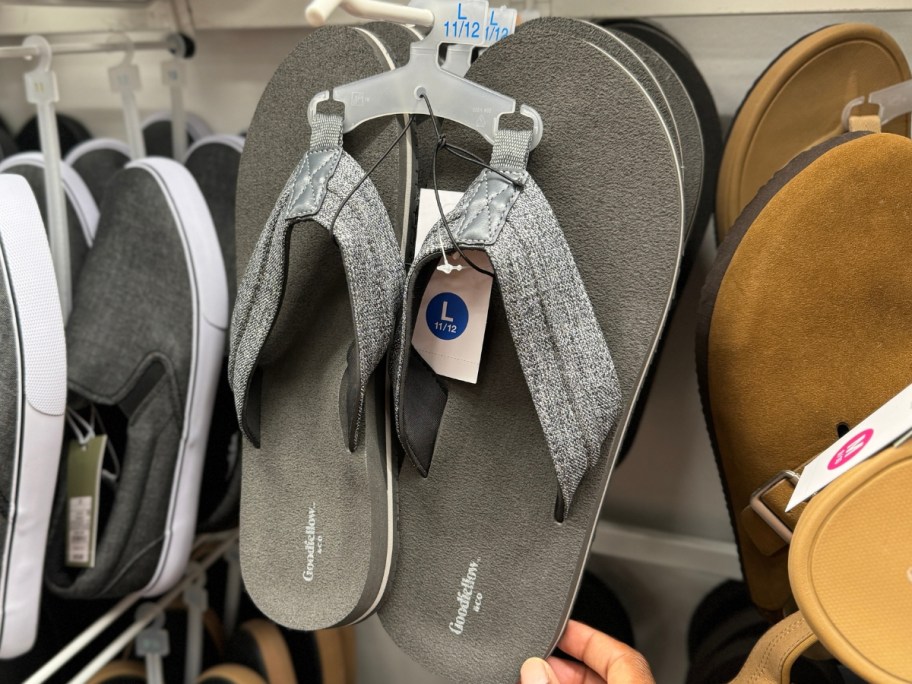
(79, 531)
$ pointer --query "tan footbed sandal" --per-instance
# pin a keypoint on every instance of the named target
(850, 567)
(797, 103)
(803, 332)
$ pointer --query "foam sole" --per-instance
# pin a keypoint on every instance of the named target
(28, 279)
(850, 568)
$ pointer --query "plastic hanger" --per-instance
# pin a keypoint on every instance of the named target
(41, 91)
(893, 101)
(124, 79)
(175, 78)
(400, 91)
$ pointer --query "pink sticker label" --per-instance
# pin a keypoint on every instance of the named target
(851, 449)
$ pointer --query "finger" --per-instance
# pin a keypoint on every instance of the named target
(537, 671)
(611, 659)
(569, 672)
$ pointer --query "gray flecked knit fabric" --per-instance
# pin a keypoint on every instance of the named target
(563, 354)
(370, 254)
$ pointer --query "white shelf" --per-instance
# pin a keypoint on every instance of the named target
(663, 549)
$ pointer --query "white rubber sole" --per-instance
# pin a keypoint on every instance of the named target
(95, 145)
(196, 127)
(31, 287)
(209, 285)
(76, 191)
(235, 142)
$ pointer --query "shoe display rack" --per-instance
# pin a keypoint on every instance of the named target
(664, 529)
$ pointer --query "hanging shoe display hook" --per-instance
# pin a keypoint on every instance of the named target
(124, 78)
(893, 101)
(175, 77)
(41, 91)
(455, 98)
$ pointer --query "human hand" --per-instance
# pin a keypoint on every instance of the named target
(604, 661)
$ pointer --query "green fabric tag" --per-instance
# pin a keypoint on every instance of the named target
(83, 487)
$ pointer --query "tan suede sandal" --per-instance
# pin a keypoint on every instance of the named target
(797, 103)
(851, 574)
(803, 332)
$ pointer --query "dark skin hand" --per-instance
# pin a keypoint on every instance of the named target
(603, 661)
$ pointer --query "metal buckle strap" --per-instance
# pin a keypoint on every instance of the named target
(767, 514)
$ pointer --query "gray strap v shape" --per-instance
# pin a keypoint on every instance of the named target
(370, 254)
(562, 351)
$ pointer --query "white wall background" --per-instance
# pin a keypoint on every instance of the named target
(669, 481)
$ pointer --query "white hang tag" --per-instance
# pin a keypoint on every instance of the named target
(889, 424)
(449, 331)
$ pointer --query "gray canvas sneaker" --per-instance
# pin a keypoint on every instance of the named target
(213, 161)
(96, 161)
(145, 344)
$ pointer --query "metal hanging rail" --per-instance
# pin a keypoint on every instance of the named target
(171, 43)
(41, 90)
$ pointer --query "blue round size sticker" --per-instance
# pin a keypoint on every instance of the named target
(447, 316)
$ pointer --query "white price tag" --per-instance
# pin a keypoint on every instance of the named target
(453, 316)
(883, 428)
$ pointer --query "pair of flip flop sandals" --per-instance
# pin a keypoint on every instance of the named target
(802, 334)
(140, 359)
(461, 512)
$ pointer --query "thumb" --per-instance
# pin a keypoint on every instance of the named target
(537, 671)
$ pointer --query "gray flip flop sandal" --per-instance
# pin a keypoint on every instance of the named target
(475, 524)
(145, 342)
(96, 162)
(32, 402)
(663, 87)
(213, 161)
(302, 479)
(82, 211)
(338, 473)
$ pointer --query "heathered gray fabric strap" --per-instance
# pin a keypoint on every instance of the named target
(565, 360)
(370, 255)
(511, 150)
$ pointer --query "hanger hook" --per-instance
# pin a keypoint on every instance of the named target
(124, 40)
(45, 52)
(538, 125)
